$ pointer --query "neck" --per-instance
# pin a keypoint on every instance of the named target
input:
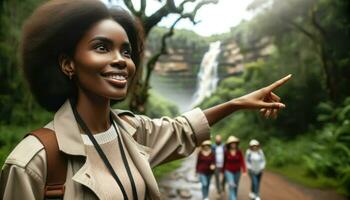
(94, 111)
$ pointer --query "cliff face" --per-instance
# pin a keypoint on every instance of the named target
(185, 60)
(231, 59)
(185, 57)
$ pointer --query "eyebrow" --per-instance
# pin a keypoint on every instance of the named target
(109, 41)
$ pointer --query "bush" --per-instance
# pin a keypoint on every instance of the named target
(158, 106)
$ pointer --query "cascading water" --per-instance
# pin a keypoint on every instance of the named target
(207, 78)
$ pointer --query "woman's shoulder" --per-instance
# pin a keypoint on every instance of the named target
(29, 150)
(129, 117)
(24, 167)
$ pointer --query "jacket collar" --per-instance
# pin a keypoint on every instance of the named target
(68, 131)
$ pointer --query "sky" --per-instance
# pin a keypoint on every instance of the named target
(214, 18)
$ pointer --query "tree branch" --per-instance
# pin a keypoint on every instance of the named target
(169, 8)
(316, 24)
(302, 30)
(143, 6)
(131, 7)
(153, 60)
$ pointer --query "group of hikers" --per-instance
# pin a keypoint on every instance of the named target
(227, 163)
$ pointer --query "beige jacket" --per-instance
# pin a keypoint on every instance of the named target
(149, 142)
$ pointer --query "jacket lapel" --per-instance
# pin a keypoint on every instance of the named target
(67, 131)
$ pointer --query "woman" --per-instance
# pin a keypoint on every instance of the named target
(255, 160)
(79, 56)
(233, 166)
(205, 166)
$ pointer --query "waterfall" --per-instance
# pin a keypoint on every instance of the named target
(207, 77)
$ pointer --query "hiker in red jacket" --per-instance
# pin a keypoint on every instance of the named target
(205, 166)
(233, 165)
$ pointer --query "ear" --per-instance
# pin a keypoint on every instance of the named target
(67, 65)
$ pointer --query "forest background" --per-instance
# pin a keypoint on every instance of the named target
(309, 142)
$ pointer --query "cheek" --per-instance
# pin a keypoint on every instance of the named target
(131, 69)
(92, 61)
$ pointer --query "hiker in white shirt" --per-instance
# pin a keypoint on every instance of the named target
(219, 148)
(255, 160)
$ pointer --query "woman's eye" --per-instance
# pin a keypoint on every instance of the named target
(127, 53)
(101, 48)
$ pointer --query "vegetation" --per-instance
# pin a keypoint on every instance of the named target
(162, 170)
(310, 141)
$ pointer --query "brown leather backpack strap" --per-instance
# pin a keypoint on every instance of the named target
(56, 164)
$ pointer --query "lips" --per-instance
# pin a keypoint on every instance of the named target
(118, 79)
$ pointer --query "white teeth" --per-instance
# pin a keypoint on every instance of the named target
(117, 77)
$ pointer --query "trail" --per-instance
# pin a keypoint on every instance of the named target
(183, 184)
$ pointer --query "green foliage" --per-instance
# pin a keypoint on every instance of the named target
(162, 170)
(16, 102)
(322, 156)
(157, 107)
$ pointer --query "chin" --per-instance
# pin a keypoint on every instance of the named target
(119, 95)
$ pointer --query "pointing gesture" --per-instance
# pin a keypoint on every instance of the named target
(263, 99)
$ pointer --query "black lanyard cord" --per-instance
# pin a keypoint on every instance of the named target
(104, 157)
(133, 186)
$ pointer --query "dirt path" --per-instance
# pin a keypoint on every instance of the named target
(183, 184)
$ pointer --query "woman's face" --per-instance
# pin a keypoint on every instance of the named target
(206, 147)
(233, 145)
(255, 148)
(102, 61)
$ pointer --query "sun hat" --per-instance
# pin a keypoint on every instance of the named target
(254, 142)
(232, 139)
(206, 142)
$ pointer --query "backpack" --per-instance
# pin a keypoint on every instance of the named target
(56, 164)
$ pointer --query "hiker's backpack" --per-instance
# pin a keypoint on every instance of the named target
(56, 164)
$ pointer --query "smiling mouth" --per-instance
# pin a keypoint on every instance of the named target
(116, 79)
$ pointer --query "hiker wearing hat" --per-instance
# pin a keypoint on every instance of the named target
(233, 165)
(219, 149)
(205, 166)
(255, 159)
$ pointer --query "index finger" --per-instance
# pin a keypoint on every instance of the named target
(278, 83)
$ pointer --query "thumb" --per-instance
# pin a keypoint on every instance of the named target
(273, 105)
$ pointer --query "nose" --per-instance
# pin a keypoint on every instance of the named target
(118, 60)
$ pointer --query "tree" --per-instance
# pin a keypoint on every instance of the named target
(314, 19)
(139, 95)
(13, 95)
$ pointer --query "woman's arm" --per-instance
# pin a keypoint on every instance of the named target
(247, 159)
(263, 99)
(241, 157)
